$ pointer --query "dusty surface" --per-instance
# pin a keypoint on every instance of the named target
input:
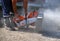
(6, 35)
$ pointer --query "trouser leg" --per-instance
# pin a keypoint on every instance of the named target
(5, 8)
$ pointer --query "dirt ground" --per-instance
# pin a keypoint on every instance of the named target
(7, 35)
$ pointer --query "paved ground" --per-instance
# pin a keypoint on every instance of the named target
(6, 35)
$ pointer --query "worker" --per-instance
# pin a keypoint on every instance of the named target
(6, 9)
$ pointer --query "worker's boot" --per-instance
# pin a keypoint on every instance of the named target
(8, 24)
